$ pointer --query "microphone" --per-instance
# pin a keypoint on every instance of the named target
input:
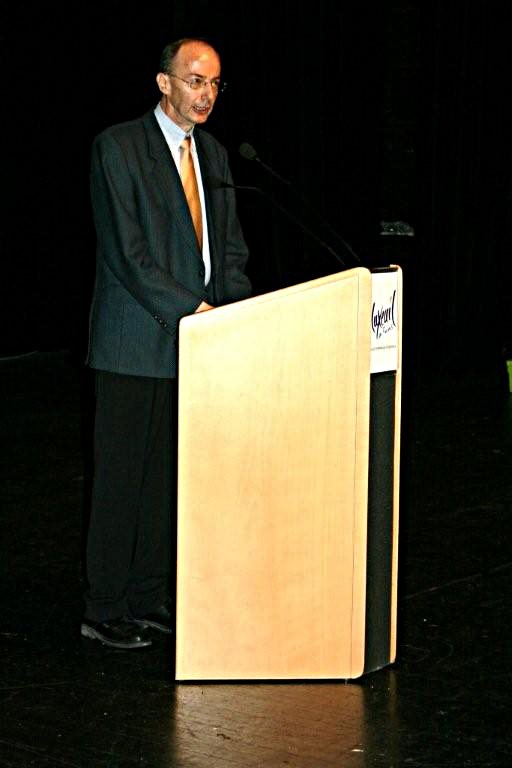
(286, 212)
(248, 152)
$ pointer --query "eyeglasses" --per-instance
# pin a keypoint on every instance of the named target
(196, 83)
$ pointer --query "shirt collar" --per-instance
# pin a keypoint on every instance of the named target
(172, 132)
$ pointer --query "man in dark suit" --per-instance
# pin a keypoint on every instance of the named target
(155, 264)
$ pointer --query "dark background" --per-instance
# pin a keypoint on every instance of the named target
(388, 111)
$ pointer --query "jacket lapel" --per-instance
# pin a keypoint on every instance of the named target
(212, 189)
(168, 179)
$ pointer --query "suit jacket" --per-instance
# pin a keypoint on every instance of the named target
(149, 269)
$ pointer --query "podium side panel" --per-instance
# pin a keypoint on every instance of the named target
(380, 521)
(384, 468)
(396, 475)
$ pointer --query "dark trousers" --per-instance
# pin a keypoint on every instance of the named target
(130, 542)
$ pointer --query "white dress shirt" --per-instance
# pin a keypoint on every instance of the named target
(174, 135)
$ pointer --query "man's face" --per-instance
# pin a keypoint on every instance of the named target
(184, 105)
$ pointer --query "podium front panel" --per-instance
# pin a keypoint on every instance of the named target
(273, 483)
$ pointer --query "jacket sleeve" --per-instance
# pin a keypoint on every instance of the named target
(237, 284)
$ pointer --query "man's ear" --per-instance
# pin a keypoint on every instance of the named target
(164, 82)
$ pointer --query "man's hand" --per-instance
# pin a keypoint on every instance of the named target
(203, 307)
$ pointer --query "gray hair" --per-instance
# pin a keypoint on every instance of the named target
(171, 50)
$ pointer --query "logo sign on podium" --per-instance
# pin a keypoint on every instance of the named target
(384, 319)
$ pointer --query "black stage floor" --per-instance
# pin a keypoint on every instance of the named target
(445, 702)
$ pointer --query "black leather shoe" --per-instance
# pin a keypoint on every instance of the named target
(117, 633)
(161, 618)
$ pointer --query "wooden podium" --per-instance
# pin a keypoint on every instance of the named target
(278, 475)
